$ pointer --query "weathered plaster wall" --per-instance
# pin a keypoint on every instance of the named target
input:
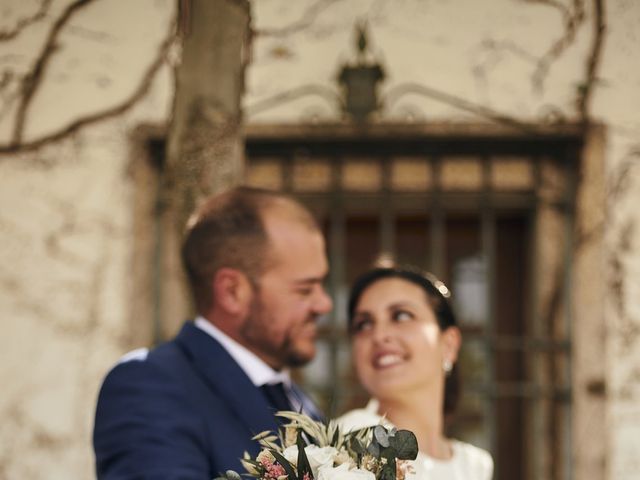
(496, 53)
(536, 60)
(615, 103)
(66, 213)
(66, 221)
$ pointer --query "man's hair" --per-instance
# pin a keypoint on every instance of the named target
(228, 230)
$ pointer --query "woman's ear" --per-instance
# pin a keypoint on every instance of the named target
(232, 291)
(451, 341)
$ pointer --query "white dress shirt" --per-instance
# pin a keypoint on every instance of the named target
(256, 369)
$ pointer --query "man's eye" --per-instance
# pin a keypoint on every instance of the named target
(305, 292)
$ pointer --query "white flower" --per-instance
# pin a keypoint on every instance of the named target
(291, 454)
(265, 455)
(317, 456)
(343, 457)
(343, 472)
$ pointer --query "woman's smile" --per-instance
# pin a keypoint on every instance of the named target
(383, 360)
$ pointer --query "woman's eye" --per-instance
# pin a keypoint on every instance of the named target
(361, 325)
(402, 316)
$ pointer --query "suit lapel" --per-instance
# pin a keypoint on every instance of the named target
(226, 379)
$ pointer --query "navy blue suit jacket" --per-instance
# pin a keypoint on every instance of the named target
(186, 411)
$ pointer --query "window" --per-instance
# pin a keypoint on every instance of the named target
(490, 212)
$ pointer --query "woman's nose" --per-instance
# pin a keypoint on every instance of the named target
(381, 332)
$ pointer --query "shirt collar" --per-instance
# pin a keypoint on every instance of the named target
(256, 369)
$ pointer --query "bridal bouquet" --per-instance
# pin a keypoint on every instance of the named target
(305, 449)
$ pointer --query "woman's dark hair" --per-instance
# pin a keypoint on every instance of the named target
(437, 295)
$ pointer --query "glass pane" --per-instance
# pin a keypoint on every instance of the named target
(311, 174)
(318, 371)
(410, 174)
(471, 292)
(461, 173)
(469, 423)
(361, 174)
(265, 173)
(412, 241)
(472, 362)
(362, 245)
(351, 394)
(509, 361)
(463, 249)
(512, 173)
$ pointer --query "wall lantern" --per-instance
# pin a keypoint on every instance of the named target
(360, 81)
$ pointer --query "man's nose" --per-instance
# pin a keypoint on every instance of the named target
(324, 304)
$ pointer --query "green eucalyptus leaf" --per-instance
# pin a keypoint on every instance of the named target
(405, 445)
(388, 471)
(381, 435)
(232, 475)
(357, 446)
(374, 449)
(229, 475)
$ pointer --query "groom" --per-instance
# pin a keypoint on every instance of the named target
(256, 263)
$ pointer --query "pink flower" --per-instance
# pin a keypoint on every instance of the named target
(273, 470)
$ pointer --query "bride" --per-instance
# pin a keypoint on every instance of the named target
(405, 343)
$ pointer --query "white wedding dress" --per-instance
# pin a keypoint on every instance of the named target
(467, 463)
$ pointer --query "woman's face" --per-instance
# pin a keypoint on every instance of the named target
(397, 343)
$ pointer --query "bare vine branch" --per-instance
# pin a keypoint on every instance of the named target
(572, 20)
(31, 81)
(586, 89)
(25, 22)
(122, 107)
(509, 46)
(620, 178)
(308, 17)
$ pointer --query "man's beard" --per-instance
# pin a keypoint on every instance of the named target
(257, 334)
(293, 358)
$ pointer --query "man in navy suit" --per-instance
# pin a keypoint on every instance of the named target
(187, 409)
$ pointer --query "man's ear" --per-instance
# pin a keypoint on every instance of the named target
(232, 291)
(451, 341)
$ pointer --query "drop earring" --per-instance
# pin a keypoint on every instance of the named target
(447, 366)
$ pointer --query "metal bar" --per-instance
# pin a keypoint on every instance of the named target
(437, 259)
(488, 240)
(337, 277)
(520, 389)
(287, 173)
(511, 342)
(536, 425)
(387, 230)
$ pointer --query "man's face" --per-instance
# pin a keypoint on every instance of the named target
(282, 324)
